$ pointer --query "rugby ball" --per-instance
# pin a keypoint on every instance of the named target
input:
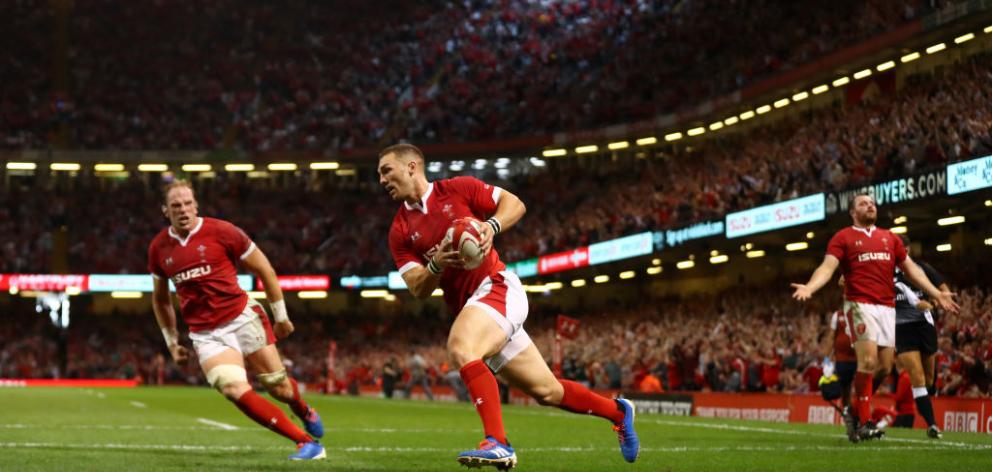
(465, 235)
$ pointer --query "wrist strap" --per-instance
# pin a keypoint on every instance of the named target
(497, 227)
(434, 268)
(171, 338)
(279, 311)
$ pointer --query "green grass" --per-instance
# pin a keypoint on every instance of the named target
(159, 429)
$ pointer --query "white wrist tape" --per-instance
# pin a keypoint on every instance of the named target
(279, 311)
(171, 338)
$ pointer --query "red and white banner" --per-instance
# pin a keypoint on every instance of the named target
(44, 282)
(567, 327)
(952, 413)
(567, 260)
(296, 283)
(78, 383)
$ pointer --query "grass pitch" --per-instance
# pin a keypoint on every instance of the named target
(177, 428)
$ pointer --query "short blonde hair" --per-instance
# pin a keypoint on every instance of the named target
(178, 183)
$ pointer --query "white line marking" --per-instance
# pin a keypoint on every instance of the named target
(49, 426)
(138, 405)
(731, 427)
(359, 449)
(229, 427)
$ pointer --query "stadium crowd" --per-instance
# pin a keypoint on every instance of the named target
(302, 224)
(256, 76)
(746, 340)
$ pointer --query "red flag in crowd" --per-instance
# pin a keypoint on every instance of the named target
(568, 328)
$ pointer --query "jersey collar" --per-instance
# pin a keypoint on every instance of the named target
(422, 205)
(182, 241)
(868, 230)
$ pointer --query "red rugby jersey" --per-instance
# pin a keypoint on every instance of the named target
(418, 229)
(202, 266)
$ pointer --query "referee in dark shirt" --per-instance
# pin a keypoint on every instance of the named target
(916, 338)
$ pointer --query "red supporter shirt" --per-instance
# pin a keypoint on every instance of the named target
(202, 267)
(868, 259)
(418, 229)
(905, 404)
(842, 341)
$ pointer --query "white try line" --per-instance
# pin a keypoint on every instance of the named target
(420, 450)
(213, 425)
(218, 424)
(758, 429)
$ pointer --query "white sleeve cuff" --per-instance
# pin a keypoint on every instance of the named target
(249, 251)
(409, 266)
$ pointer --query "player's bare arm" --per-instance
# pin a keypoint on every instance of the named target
(258, 264)
(944, 299)
(820, 277)
(509, 210)
(165, 315)
(422, 280)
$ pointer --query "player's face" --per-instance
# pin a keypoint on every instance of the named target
(864, 211)
(396, 176)
(180, 208)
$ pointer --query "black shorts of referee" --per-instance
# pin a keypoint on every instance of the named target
(916, 336)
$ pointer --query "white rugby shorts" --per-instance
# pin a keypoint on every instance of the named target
(870, 322)
(502, 297)
(247, 333)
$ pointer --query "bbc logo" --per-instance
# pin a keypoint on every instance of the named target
(961, 421)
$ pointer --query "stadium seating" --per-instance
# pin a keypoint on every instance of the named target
(252, 75)
(745, 340)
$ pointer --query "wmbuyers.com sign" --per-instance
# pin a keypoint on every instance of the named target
(926, 185)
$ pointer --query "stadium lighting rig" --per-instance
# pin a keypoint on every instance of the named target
(654, 270)
(21, 166)
(324, 166)
(755, 254)
(554, 152)
(944, 247)
(647, 141)
(951, 220)
(282, 166)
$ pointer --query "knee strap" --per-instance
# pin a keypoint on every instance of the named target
(272, 379)
(224, 374)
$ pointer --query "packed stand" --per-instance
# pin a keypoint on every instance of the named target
(29, 111)
(301, 75)
(339, 226)
(745, 340)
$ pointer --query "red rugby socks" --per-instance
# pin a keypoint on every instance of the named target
(579, 399)
(862, 391)
(484, 393)
(270, 416)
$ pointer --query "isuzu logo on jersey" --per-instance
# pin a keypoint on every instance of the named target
(191, 274)
(874, 256)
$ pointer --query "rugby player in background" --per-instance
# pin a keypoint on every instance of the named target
(867, 256)
(226, 326)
